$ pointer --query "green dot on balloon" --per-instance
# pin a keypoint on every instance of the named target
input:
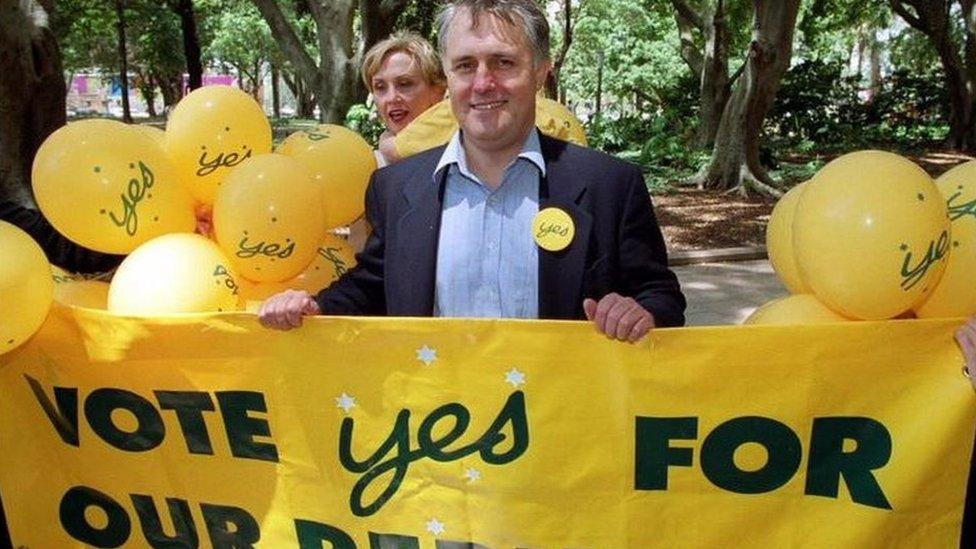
(131, 165)
(921, 197)
(903, 247)
(10, 342)
(274, 219)
(98, 169)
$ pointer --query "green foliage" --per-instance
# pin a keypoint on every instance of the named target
(818, 107)
(241, 41)
(362, 118)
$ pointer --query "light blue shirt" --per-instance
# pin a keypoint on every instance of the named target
(487, 260)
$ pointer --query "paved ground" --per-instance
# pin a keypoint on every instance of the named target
(726, 293)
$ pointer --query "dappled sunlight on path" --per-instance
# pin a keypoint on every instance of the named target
(726, 293)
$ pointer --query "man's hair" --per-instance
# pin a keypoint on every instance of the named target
(411, 44)
(524, 15)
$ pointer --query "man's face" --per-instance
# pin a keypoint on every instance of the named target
(492, 79)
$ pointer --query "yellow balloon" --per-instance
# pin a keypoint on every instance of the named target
(156, 134)
(871, 235)
(333, 258)
(79, 290)
(175, 273)
(26, 287)
(109, 187)
(211, 130)
(268, 218)
(436, 125)
(794, 309)
(341, 163)
(555, 120)
(779, 241)
(955, 295)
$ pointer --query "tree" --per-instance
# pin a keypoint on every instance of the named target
(32, 90)
(706, 38)
(334, 79)
(626, 38)
(241, 40)
(191, 41)
(938, 21)
(735, 161)
(552, 81)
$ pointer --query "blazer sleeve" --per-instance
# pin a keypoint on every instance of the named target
(59, 250)
(644, 259)
(361, 291)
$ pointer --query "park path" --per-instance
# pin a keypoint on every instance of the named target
(726, 293)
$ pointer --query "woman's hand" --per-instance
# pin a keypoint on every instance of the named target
(966, 337)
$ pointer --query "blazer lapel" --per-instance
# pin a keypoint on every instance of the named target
(414, 260)
(561, 272)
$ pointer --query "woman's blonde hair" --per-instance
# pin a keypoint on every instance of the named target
(411, 44)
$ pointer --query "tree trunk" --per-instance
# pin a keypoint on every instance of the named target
(552, 79)
(715, 84)
(147, 88)
(275, 91)
(735, 157)
(931, 17)
(123, 61)
(379, 19)
(599, 83)
(304, 100)
(170, 87)
(191, 42)
(874, 86)
(709, 62)
(32, 94)
(335, 80)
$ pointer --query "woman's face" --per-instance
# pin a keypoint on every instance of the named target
(400, 91)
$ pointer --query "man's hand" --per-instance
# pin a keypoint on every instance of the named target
(619, 317)
(966, 337)
(284, 311)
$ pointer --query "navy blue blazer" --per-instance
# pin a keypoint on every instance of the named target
(618, 245)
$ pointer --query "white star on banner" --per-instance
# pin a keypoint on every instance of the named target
(472, 474)
(426, 355)
(515, 377)
(435, 527)
(345, 402)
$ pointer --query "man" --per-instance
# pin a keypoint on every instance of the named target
(455, 232)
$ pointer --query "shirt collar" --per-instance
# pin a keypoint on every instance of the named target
(454, 153)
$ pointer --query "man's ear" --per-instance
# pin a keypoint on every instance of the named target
(542, 69)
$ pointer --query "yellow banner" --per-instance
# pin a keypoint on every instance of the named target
(212, 431)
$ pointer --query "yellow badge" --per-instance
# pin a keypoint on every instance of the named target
(553, 229)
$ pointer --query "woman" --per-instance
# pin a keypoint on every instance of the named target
(405, 77)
